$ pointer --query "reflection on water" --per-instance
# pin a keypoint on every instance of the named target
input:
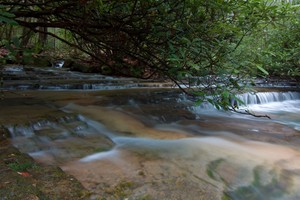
(126, 151)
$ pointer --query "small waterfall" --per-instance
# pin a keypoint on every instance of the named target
(262, 101)
(68, 138)
(268, 97)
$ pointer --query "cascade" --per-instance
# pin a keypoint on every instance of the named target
(118, 136)
(268, 97)
(265, 102)
(155, 138)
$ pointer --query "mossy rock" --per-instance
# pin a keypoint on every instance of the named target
(42, 62)
(22, 178)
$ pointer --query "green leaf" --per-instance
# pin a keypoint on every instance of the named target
(225, 94)
(16, 41)
(262, 69)
(6, 14)
(8, 21)
(198, 102)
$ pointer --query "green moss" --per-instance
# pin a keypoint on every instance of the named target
(226, 197)
(101, 149)
(21, 167)
(146, 197)
(257, 190)
(121, 190)
(212, 167)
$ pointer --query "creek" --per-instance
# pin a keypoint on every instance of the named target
(141, 141)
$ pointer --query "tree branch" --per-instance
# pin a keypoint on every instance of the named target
(247, 112)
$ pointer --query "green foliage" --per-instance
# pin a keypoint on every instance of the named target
(6, 17)
(208, 48)
(272, 48)
(205, 41)
(16, 52)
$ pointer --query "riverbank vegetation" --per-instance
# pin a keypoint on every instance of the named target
(216, 46)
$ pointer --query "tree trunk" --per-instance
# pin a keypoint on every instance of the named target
(42, 38)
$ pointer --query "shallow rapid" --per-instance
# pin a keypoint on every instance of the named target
(156, 144)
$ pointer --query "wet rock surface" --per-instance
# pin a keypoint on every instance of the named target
(135, 173)
(40, 78)
(136, 144)
(282, 82)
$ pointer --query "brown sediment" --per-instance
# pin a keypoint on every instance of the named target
(124, 123)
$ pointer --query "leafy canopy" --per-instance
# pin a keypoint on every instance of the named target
(198, 44)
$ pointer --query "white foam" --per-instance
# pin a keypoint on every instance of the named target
(99, 156)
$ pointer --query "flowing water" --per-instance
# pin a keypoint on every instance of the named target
(155, 144)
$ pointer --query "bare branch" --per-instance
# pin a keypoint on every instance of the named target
(247, 112)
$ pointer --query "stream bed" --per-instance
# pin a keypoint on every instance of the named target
(154, 143)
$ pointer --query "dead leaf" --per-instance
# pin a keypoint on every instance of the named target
(25, 174)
